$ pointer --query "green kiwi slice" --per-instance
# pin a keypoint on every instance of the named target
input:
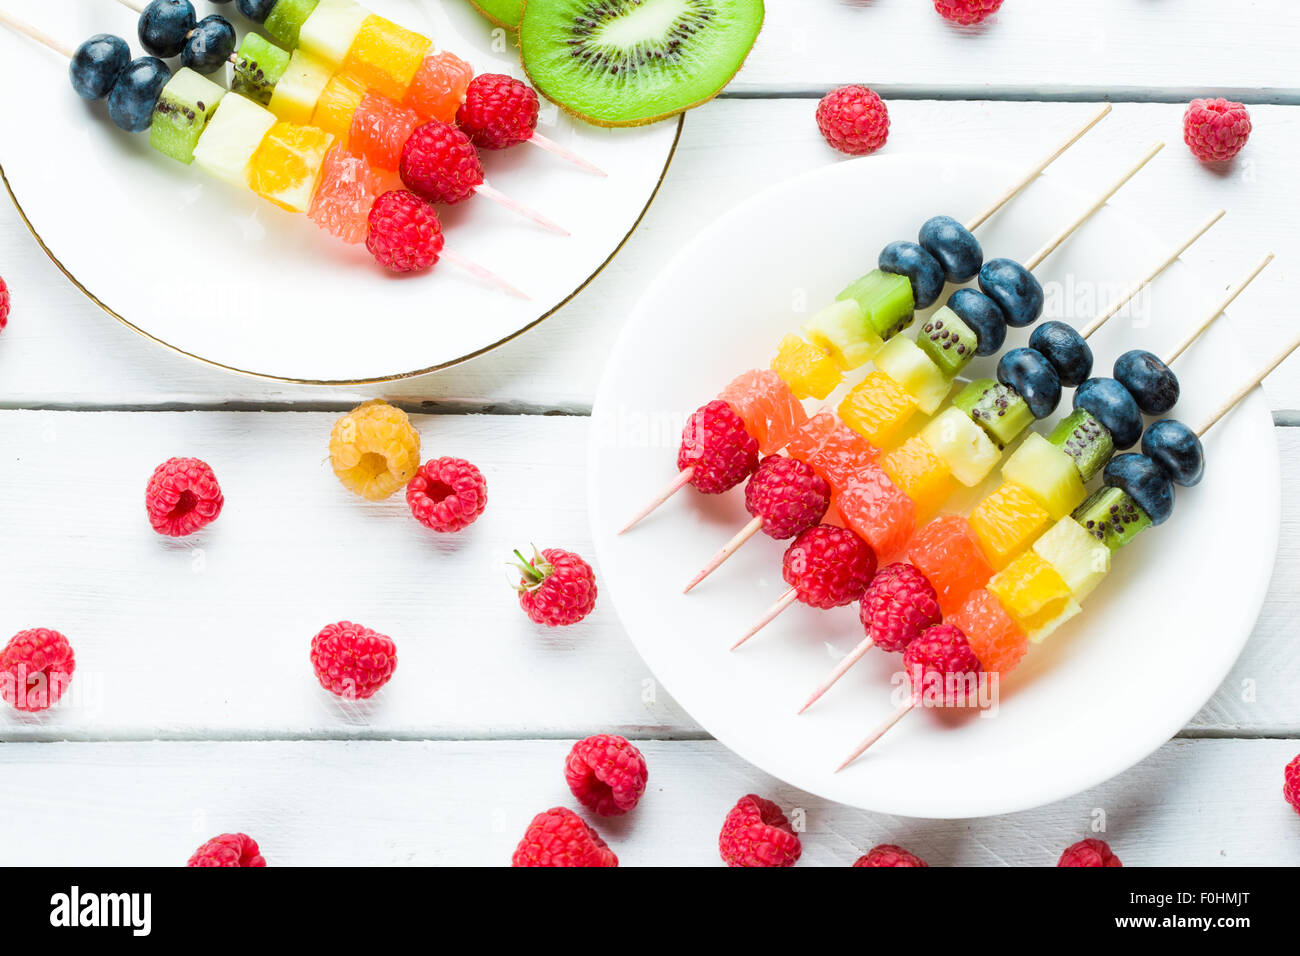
(631, 62)
(504, 13)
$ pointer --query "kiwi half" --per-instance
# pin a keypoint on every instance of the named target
(504, 13)
(632, 62)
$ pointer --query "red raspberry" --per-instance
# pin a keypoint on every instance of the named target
(352, 661)
(606, 773)
(1089, 852)
(1291, 784)
(559, 837)
(498, 111)
(967, 12)
(889, 855)
(4, 304)
(897, 606)
(1215, 129)
(35, 668)
(941, 661)
(828, 566)
(447, 494)
(716, 445)
(404, 232)
(788, 495)
(440, 164)
(229, 849)
(854, 120)
(182, 497)
(756, 833)
(557, 587)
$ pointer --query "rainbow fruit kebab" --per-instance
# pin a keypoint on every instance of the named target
(356, 100)
(714, 456)
(786, 497)
(941, 663)
(1032, 593)
(882, 501)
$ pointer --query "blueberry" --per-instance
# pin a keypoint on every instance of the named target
(1010, 285)
(1176, 449)
(1145, 482)
(950, 242)
(1111, 404)
(132, 99)
(255, 10)
(164, 24)
(1033, 377)
(210, 44)
(922, 270)
(1065, 349)
(983, 316)
(1154, 386)
(96, 64)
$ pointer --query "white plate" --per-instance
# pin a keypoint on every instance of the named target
(225, 277)
(1155, 639)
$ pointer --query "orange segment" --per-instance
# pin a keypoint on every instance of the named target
(807, 370)
(994, 636)
(877, 408)
(385, 57)
(1031, 591)
(920, 474)
(287, 165)
(1007, 522)
(947, 552)
(337, 105)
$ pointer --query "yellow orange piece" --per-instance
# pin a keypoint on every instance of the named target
(286, 167)
(920, 474)
(385, 57)
(877, 408)
(1006, 522)
(1031, 591)
(337, 105)
(808, 371)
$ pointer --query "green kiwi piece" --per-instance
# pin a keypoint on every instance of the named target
(1112, 517)
(632, 62)
(998, 410)
(504, 13)
(1086, 440)
(181, 114)
(286, 19)
(886, 301)
(259, 64)
(948, 341)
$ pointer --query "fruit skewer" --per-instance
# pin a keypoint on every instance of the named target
(305, 89)
(140, 91)
(910, 377)
(943, 653)
(844, 314)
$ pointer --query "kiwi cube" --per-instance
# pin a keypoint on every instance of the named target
(999, 410)
(1086, 440)
(1112, 517)
(286, 19)
(886, 300)
(181, 114)
(259, 64)
(948, 341)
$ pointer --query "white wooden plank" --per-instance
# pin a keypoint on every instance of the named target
(208, 637)
(60, 350)
(363, 803)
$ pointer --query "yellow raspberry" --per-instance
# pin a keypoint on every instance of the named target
(374, 450)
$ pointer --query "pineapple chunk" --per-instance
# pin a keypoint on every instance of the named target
(1047, 473)
(1032, 592)
(842, 331)
(962, 444)
(1046, 630)
(328, 32)
(1079, 558)
(903, 361)
(230, 139)
(294, 98)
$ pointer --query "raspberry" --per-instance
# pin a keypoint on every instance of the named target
(404, 232)
(606, 773)
(352, 661)
(941, 661)
(439, 163)
(374, 450)
(557, 587)
(498, 111)
(756, 833)
(897, 606)
(716, 444)
(967, 12)
(182, 497)
(788, 495)
(889, 855)
(35, 668)
(447, 494)
(828, 566)
(229, 849)
(854, 120)
(4, 304)
(1089, 852)
(1215, 129)
(559, 837)
(1291, 784)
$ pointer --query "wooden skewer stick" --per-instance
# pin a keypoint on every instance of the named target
(39, 36)
(881, 729)
(783, 602)
(518, 208)
(1235, 291)
(677, 484)
(1036, 170)
(727, 550)
(851, 658)
(551, 146)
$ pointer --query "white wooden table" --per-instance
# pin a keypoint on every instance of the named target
(197, 710)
